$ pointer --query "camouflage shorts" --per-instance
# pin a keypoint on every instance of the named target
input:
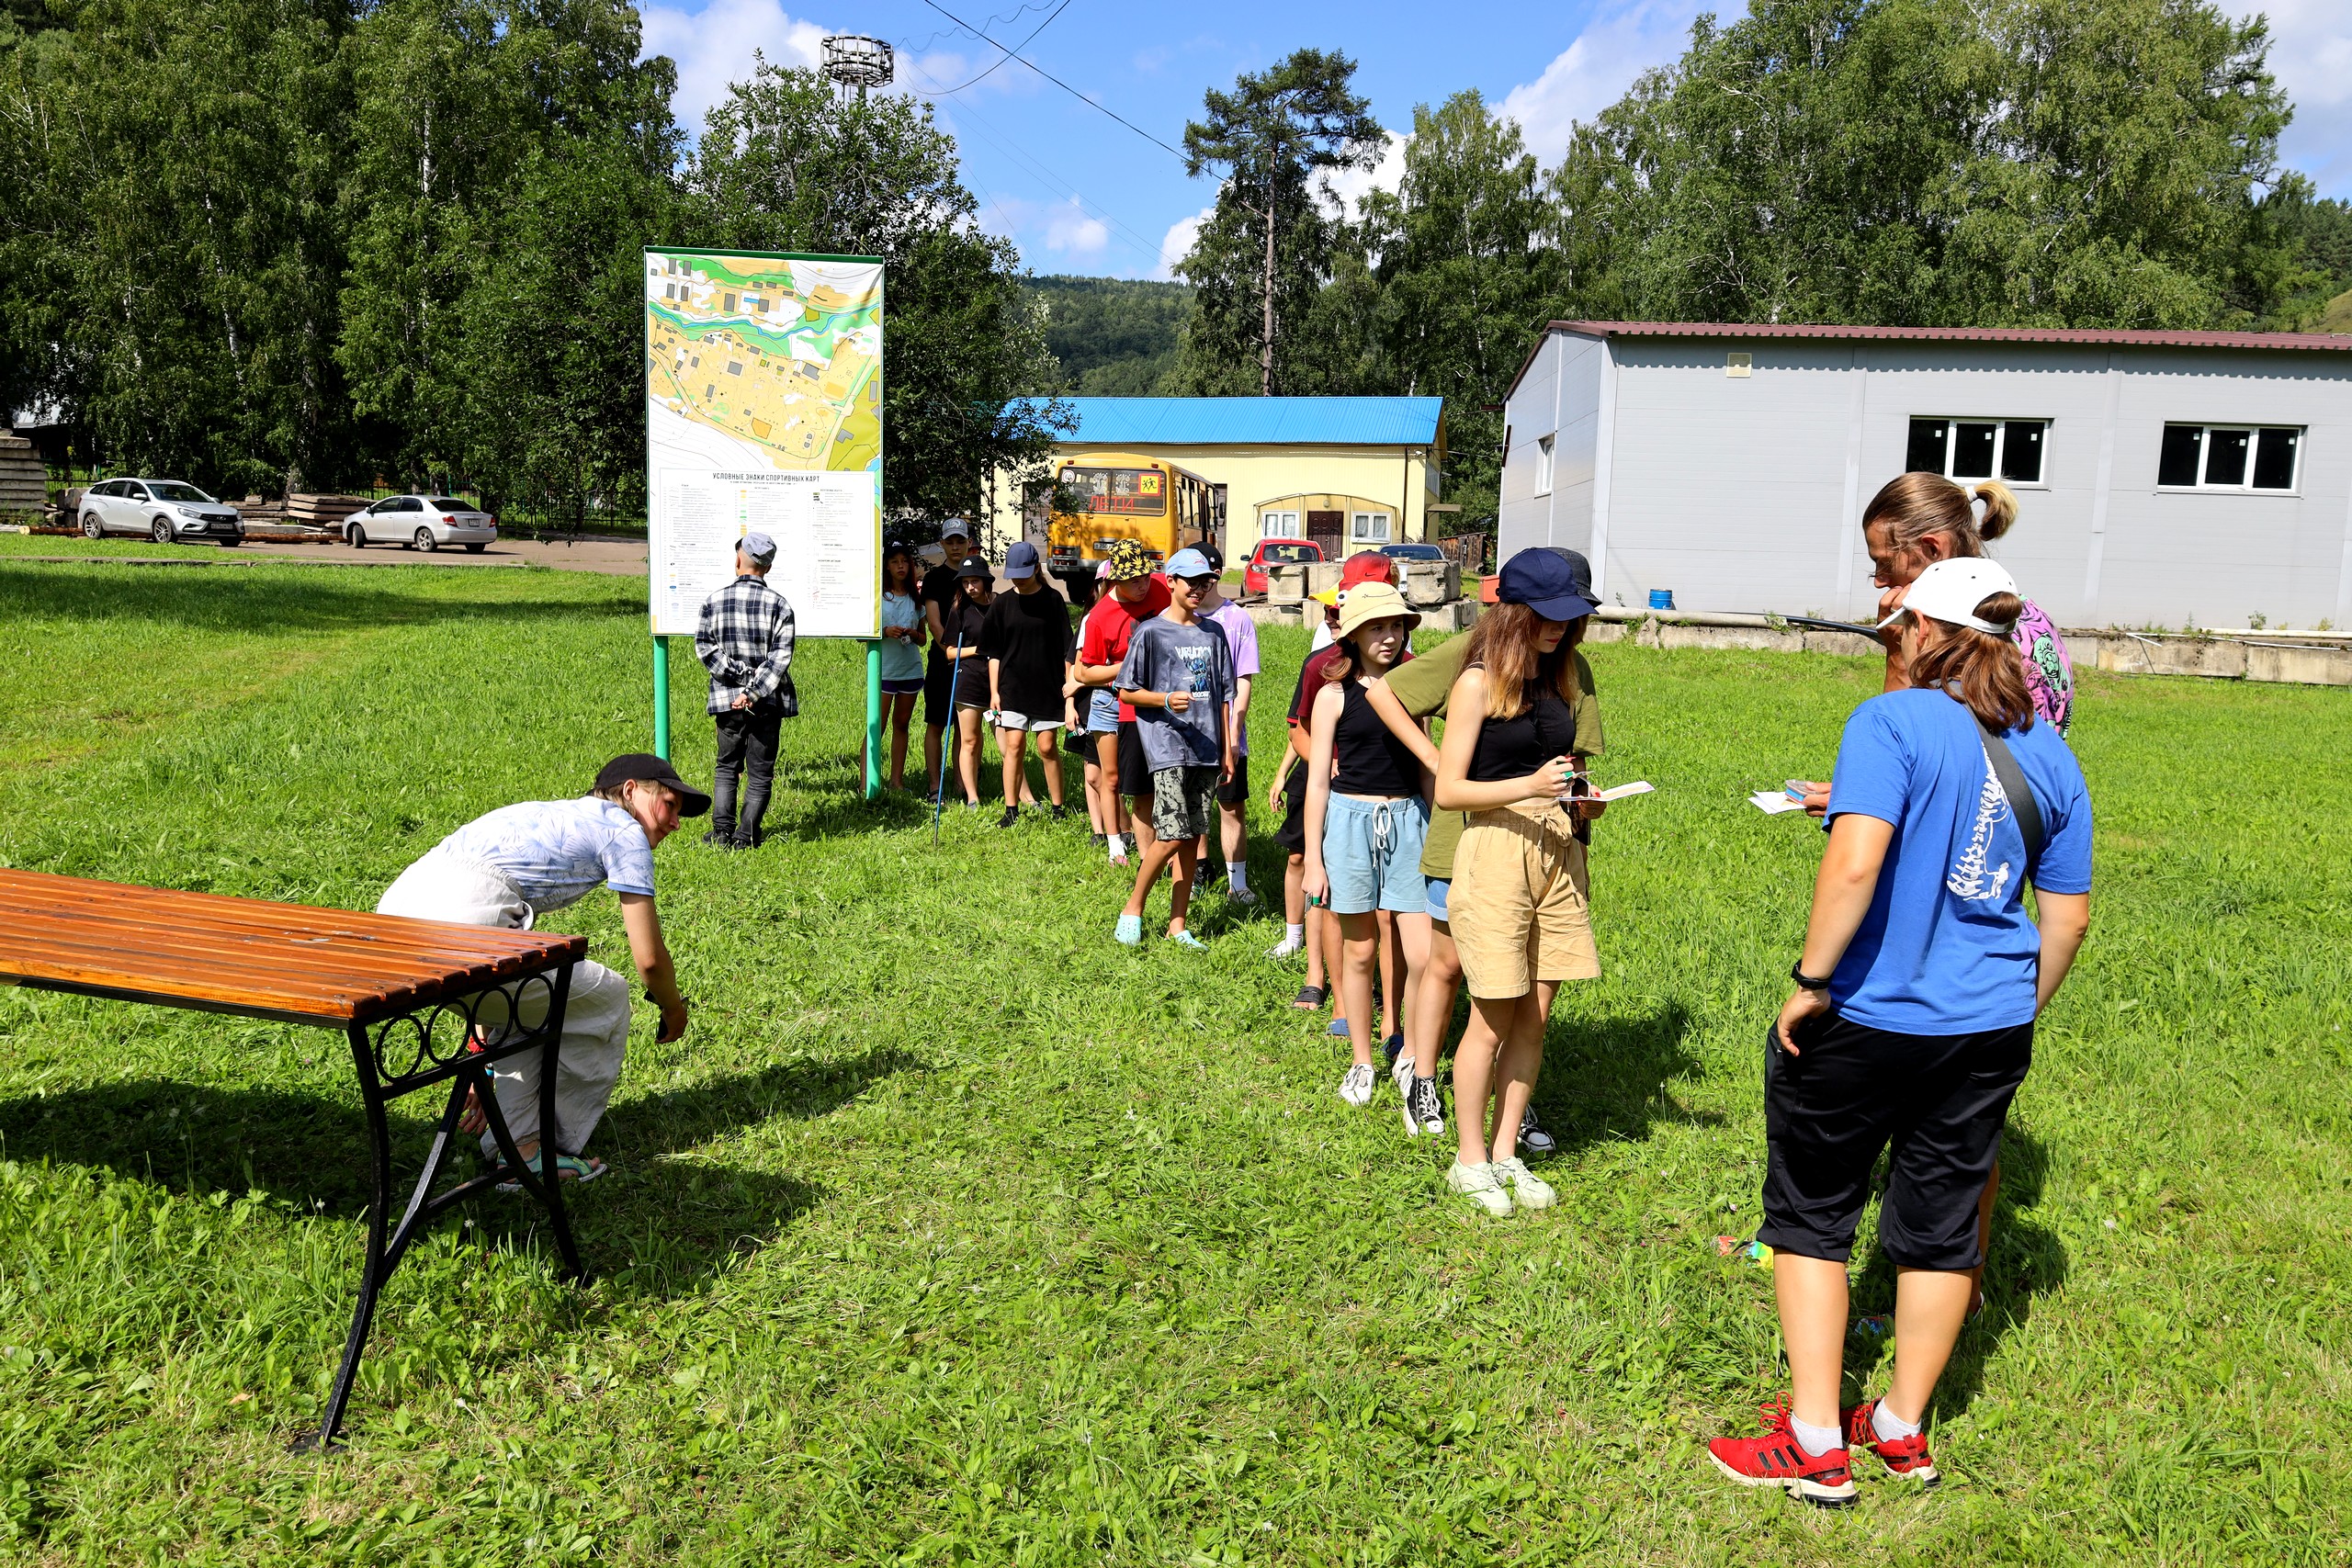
(1183, 801)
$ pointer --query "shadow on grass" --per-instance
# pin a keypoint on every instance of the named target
(240, 602)
(656, 1224)
(2025, 1262)
(1609, 1080)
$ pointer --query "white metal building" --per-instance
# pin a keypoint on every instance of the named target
(2162, 477)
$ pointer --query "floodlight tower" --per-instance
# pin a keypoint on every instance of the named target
(852, 61)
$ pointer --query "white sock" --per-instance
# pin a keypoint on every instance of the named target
(1114, 845)
(1815, 1440)
(1295, 933)
(1237, 875)
(1891, 1427)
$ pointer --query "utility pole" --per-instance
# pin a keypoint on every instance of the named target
(853, 61)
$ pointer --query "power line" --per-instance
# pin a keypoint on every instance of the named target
(1050, 76)
(933, 38)
(987, 132)
(1010, 55)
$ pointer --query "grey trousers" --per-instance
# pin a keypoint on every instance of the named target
(595, 1015)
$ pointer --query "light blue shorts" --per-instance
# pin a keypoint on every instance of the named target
(1438, 888)
(1372, 852)
(1103, 712)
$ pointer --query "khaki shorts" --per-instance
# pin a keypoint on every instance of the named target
(1518, 903)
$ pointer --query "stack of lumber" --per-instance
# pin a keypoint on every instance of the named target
(24, 483)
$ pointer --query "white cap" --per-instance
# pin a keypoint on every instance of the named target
(957, 528)
(1950, 590)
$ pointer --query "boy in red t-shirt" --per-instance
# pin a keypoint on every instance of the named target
(1138, 593)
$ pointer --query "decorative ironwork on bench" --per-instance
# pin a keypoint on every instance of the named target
(486, 1025)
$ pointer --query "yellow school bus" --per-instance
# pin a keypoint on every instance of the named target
(1100, 498)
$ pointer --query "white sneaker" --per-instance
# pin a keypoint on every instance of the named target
(1356, 1087)
(1478, 1183)
(1531, 1191)
(1286, 947)
(1241, 897)
(1400, 1072)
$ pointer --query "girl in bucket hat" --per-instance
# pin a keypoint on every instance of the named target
(1366, 819)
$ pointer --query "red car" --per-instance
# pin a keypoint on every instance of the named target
(1275, 552)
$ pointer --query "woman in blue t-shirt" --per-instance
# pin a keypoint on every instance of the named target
(1912, 1023)
(902, 634)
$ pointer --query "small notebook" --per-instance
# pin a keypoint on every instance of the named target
(1772, 802)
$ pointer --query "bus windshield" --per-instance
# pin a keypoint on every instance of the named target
(1128, 491)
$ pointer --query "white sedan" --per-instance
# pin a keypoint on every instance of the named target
(427, 522)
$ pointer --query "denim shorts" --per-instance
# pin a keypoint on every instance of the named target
(1438, 886)
(1372, 853)
(1103, 712)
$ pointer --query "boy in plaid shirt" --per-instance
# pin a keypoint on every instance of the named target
(745, 641)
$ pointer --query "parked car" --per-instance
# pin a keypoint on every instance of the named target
(427, 522)
(166, 511)
(1275, 552)
(1412, 552)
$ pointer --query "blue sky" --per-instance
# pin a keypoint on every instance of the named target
(1081, 194)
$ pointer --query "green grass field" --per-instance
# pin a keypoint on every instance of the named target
(951, 1233)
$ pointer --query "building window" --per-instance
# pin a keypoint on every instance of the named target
(1370, 528)
(2008, 449)
(1543, 466)
(1279, 525)
(2221, 457)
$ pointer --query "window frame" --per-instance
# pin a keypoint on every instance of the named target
(2254, 431)
(1358, 533)
(1290, 519)
(1543, 471)
(2000, 423)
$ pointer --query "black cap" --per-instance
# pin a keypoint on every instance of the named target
(646, 768)
(1216, 557)
(974, 566)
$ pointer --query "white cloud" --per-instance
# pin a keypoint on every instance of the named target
(1624, 38)
(2311, 53)
(1072, 231)
(712, 47)
(1352, 186)
(1178, 242)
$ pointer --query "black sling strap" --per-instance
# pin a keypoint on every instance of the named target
(2022, 806)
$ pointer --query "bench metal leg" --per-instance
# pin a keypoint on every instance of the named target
(386, 1248)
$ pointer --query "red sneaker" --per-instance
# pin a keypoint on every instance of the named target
(1777, 1458)
(1906, 1457)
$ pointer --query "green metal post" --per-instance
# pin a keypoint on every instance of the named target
(662, 697)
(872, 718)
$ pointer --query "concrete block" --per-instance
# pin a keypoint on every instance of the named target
(1757, 639)
(1322, 575)
(1286, 582)
(1600, 631)
(1268, 614)
(1432, 582)
(1444, 620)
(2301, 666)
(1852, 646)
(2173, 656)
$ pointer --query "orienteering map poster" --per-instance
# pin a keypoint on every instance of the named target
(763, 414)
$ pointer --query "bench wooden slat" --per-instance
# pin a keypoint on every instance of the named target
(224, 953)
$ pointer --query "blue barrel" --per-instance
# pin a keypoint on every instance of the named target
(1661, 598)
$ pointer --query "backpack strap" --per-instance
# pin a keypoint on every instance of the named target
(2022, 806)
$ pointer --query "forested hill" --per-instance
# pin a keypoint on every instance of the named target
(1114, 336)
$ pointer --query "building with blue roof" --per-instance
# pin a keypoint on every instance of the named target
(1349, 473)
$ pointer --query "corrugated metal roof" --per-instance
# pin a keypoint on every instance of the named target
(2100, 336)
(1255, 422)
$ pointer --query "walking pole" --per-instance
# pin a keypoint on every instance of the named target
(954, 738)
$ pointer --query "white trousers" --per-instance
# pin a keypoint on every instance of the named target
(595, 1015)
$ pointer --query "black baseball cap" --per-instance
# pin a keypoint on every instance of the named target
(646, 768)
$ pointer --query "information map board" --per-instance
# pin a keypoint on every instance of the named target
(763, 414)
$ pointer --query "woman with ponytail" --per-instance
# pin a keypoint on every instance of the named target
(1912, 1021)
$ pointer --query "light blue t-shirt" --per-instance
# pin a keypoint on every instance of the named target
(901, 661)
(558, 851)
(1946, 947)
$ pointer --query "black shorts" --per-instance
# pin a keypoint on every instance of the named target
(1292, 835)
(935, 678)
(1134, 778)
(1237, 792)
(1938, 1100)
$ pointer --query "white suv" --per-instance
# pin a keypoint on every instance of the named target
(166, 511)
(427, 522)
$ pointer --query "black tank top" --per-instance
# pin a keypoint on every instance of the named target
(1514, 748)
(1371, 760)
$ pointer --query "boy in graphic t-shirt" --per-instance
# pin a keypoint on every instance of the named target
(1177, 675)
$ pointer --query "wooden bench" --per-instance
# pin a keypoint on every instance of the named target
(421, 1003)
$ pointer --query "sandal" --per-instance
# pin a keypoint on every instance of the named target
(568, 1167)
(1310, 999)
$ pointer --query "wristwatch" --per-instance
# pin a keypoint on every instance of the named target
(1805, 981)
